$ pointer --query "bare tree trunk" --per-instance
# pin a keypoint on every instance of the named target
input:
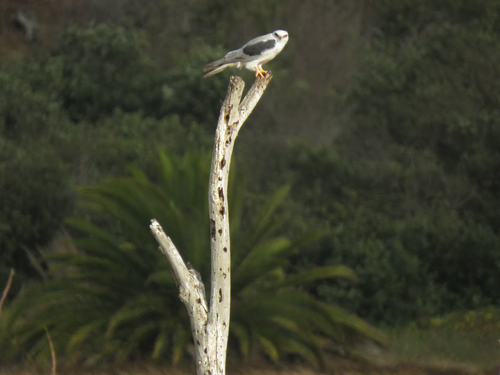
(211, 325)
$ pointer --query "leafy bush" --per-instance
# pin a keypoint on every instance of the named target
(395, 223)
(121, 139)
(49, 143)
(410, 193)
(115, 298)
(29, 107)
(35, 197)
(188, 94)
(104, 68)
(34, 191)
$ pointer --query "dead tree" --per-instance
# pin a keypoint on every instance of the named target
(210, 323)
(27, 21)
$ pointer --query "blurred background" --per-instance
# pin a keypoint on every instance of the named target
(370, 168)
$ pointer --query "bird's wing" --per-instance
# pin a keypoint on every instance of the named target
(251, 51)
(256, 49)
(210, 71)
(250, 48)
(258, 39)
(235, 55)
(261, 48)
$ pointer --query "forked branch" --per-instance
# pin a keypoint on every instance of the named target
(211, 326)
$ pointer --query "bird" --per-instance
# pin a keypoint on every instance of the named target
(252, 55)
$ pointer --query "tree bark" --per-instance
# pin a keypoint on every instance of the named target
(210, 326)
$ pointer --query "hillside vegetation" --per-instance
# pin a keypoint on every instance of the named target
(382, 118)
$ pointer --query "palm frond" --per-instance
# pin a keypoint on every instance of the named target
(115, 297)
(82, 334)
(269, 347)
(243, 334)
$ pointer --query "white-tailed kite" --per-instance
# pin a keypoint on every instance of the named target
(252, 55)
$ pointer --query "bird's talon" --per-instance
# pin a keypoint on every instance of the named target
(261, 73)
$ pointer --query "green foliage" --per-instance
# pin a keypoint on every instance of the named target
(480, 323)
(435, 92)
(105, 68)
(188, 94)
(34, 191)
(218, 17)
(399, 19)
(115, 297)
(24, 109)
(85, 111)
(396, 224)
(410, 194)
(35, 197)
(121, 139)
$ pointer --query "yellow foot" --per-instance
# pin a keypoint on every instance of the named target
(259, 72)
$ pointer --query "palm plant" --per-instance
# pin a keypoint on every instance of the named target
(115, 298)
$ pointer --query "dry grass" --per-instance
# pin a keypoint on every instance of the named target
(337, 367)
(471, 350)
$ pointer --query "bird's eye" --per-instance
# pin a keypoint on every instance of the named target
(280, 36)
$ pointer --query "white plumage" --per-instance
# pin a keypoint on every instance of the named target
(252, 55)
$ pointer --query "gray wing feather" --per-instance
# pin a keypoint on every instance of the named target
(258, 39)
(237, 54)
(215, 70)
(218, 66)
(254, 47)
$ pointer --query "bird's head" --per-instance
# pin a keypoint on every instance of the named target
(281, 35)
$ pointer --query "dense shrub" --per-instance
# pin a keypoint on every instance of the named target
(426, 87)
(35, 196)
(86, 110)
(34, 189)
(410, 193)
(104, 68)
(396, 223)
(191, 96)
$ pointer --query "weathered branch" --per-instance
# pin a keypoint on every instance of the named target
(191, 291)
(7, 288)
(211, 327)
(253, 96)
(28, 23)
(231, 119)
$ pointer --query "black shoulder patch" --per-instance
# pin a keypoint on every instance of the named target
(258, 48)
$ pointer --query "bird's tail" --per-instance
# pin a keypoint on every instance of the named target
(217, 67)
